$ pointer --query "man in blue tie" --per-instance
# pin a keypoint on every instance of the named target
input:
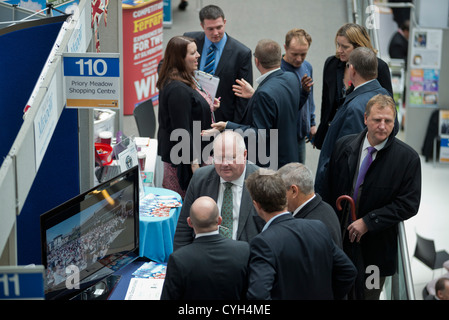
(228, 59)
(387, 193)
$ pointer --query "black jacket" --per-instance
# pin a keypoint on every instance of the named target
(391, 193)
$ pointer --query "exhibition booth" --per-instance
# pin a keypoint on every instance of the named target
(62, 91)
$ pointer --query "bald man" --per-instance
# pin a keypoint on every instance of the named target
(212, 266)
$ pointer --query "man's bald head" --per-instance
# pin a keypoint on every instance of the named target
(204, 215)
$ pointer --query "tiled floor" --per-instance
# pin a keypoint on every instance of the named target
(431, 222)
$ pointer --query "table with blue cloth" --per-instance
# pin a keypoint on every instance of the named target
(156, 233)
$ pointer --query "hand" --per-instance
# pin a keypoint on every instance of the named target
(210, 132)
(220, 125)
(216, 104)
(194, 166)
(306, 83)
(243, 89)
(311, 136)
(356, 230)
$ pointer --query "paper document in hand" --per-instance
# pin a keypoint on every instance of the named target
(208, 82)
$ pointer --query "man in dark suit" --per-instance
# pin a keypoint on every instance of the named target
(230, 166)
(398, 47)
(292, 258)
(349, 117)
(232, 61)
(390, 191)
(272, 110)
(304, 203)
(212, 267)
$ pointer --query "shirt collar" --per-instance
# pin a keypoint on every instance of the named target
(219, 45)
(264, 76)
(303, 205)
(272, 219)
(205, 234)
(378, 147)
(360, 85)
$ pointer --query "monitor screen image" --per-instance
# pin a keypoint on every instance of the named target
(88, 237)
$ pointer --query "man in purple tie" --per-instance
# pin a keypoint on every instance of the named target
(388, 192)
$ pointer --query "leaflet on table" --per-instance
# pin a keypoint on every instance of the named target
(157, 206)
(144, 289)
(152, 269)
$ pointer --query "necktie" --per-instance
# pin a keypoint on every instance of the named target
(362, 172)
(226, 211)
(210, 60)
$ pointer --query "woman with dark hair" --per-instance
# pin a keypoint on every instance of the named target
(185, 109)
(336, 84)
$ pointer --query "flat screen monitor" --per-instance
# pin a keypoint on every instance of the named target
(89, 237)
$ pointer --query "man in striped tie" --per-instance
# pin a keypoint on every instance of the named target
(224, 57)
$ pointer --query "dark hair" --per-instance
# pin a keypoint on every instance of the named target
(211, 12)
(440, 284)
(267, 188)
(174, 66)
(364, 61)
(269, 54)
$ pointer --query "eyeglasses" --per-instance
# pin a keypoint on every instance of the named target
(347, 65)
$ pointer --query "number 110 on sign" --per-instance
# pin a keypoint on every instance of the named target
(98, 67)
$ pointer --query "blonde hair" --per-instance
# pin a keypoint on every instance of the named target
(356, 34)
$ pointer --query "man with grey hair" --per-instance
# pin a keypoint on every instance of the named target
(230, 170)
(304, 203)
(272, 110)
(349, 118)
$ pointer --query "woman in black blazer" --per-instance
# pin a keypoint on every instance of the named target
(335, 78)
(183, 106)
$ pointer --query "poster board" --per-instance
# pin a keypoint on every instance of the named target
(142, 51)
(425, 65)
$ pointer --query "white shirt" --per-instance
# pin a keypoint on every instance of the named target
(365, 146)
(262, 77)
(204, 234)
(302, 206)
(363, 84)
(237, 190)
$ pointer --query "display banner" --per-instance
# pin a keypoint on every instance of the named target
(142, 51)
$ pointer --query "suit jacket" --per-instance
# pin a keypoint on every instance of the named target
(349, 119)
(297, 259)
(332, 83)
(390, 193)
(317, 209)
(235, 63)
(211, 267)
(206, 182)
(398, 47)
(274, 105)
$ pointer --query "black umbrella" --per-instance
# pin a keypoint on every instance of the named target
(352, 249)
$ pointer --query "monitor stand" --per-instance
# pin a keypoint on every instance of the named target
(99, 291)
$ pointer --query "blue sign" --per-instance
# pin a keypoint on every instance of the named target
(91, 67)
(17, 282)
